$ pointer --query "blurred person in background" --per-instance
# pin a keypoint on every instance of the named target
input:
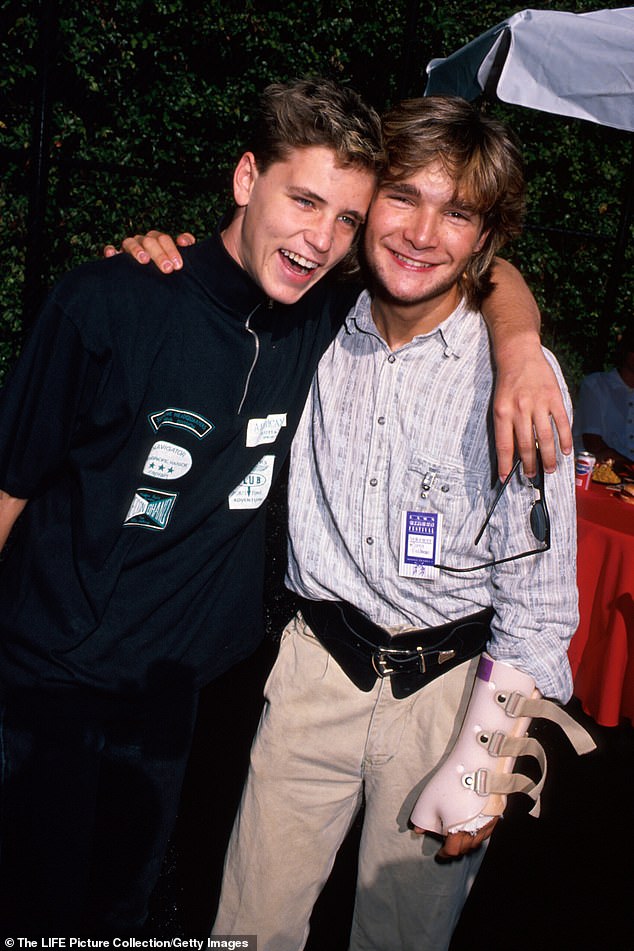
(604, 409)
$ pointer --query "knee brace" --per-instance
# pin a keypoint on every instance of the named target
(472, 784)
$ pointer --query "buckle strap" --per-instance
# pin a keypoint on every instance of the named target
(402, 660)
(410, 660)
(578, 736)
(487, 782)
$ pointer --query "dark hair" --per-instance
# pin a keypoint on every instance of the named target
(479, 153)
(317, 112)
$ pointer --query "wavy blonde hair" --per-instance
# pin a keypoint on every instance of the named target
(479, 153)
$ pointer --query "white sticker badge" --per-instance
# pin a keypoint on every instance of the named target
(253, 490)
(260, 431)
(167, 461)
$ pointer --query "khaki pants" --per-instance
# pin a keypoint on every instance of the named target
(322, 748)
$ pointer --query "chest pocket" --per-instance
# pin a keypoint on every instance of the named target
(453, 492)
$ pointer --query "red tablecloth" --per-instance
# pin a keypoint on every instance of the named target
(602, 651)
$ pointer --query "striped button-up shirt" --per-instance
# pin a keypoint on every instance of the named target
(411, 430)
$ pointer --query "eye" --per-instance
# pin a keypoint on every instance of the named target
(400, 198)
(303, 202)
(394, 195)
(349, 222)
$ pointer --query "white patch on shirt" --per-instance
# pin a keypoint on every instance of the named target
(253, 490)
(167, 461)
(261, 431)
(151, 509)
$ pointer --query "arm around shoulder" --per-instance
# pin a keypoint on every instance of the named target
(528, 399)
(156, 246)
(510, 307)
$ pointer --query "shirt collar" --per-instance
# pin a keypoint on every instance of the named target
(221, 277)
(235, 292)
(456, 331)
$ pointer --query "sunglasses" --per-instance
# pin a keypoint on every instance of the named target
(539, 519)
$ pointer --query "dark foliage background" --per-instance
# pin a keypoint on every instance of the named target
(150, 103)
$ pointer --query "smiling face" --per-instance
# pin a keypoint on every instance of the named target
(418, 240)
(296, 220)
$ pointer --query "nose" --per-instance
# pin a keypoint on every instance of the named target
(320, 236)
(422, 229)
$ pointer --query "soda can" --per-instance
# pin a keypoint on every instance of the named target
(584, 464)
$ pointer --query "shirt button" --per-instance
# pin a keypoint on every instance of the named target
(391, 358)
(374, 481)
(381, 420)
(370, 541)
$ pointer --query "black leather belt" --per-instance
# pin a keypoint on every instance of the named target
(366, 651)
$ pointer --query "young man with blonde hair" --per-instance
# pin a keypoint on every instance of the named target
(391, 478)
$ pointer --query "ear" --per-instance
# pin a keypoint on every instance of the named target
(244, 178)
(481, 241)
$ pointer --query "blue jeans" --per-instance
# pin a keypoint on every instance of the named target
(88, 801)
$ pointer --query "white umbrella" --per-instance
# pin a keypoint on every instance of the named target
(570, 64)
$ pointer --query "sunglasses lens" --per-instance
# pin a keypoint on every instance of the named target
(539, 524)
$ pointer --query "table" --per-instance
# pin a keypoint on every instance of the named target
(602, 651)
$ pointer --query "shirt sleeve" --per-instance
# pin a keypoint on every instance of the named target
(41, 402)
(588, 411)
(535, 598)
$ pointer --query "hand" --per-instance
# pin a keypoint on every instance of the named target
(10, 510)
(457, 844)
(154, 246)
(527, 402)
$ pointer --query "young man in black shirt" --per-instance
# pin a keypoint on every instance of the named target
(144, 423)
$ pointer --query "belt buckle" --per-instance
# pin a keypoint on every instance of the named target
(380, 662)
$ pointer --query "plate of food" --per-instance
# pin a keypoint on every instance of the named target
(604, 474)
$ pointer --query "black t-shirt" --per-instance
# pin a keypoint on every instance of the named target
(144, 422)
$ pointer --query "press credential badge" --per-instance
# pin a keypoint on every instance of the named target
(420, 544)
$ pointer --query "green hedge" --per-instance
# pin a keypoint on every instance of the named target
(153, 100)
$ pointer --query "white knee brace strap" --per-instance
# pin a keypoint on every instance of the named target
(476, 778)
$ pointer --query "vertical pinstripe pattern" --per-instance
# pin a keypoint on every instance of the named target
(383, 432)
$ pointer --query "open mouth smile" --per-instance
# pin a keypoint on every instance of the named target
(298, 263)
